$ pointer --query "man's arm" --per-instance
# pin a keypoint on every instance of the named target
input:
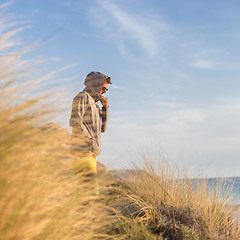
(104, 118)
(104, 102)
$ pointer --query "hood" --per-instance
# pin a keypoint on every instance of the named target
(95, 79)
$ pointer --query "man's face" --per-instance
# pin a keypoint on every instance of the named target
(103, 88)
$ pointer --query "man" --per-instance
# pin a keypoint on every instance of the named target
(88, 121)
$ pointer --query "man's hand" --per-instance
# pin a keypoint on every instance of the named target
(104, 102)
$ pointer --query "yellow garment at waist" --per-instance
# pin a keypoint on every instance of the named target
(84, 162)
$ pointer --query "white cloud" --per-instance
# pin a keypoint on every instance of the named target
(166, 104)
(210, 133)
(114, 86)
(188, 116)
(205, 64)
(180, 123)
(118, 120)
(229, 103)
(215, 65)
(127, 26)
(6, 4)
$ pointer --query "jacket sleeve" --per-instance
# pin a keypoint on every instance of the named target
(104, 118)
(79, 107)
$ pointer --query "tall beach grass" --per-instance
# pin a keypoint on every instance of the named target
(40, 196)
(160, 202)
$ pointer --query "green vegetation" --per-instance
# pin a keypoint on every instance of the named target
(42, 199)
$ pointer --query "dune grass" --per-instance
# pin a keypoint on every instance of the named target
(40, 196)
(158, 202)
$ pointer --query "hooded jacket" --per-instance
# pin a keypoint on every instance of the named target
(87, 119)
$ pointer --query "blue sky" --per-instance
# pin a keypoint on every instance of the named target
(174, 66)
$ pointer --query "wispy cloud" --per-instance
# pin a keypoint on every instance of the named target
(114, 86)
(6, 4)
(215, 64)
(188, 116)
(124, 26)
(166, 104)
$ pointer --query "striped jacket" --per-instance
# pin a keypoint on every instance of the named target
(87, 122)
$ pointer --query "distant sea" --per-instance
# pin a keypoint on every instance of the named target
(232, 183)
